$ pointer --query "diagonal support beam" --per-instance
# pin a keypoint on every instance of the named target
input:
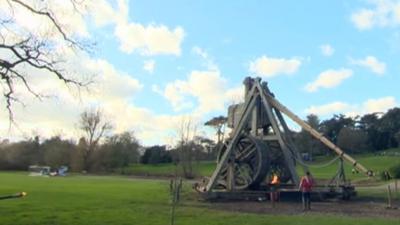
(289, 138)
(249, 105)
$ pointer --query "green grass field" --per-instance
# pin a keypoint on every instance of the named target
(374, 163)
(99, 200)
(168, 169)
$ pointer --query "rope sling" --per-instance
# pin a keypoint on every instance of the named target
(318, 165)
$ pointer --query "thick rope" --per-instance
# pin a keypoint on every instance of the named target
(319, 165)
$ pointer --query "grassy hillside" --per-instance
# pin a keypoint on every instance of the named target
(95, 200)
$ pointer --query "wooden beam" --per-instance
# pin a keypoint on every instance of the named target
(289, 139)
(269, 138)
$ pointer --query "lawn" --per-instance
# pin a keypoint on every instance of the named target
(372, 162)
(95, 200)
(203, 168)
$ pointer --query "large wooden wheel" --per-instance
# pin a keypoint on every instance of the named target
(248, 163)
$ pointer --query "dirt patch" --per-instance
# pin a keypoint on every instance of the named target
(360, 208)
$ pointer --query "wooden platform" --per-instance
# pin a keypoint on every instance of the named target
(319, 193)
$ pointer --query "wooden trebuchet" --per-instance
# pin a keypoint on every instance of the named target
(261, 144)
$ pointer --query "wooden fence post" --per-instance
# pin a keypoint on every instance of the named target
(389, 191)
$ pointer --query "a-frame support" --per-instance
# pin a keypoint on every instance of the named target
(248, 107)
(340, 176)
(256, 93)
(260, 96)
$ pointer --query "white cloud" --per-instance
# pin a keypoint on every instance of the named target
(142, 121)
(363, 19)
(328, 109)
(208, 90)
(234, 95)
(369, 106)
(149, 66)
(379, 105)
(113, 92)
(329, 79)
(383, 13)
(111, 84)
(103, 13)
(371, 63)
(205, 89)
(175, 93)
(270, 67)
(327, 50)
(206, 86)
(152, 39)
(60, 112)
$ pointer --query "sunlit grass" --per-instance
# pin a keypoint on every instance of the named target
(95, 200)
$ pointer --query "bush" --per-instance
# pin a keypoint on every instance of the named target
(395, 171)
(156, 154)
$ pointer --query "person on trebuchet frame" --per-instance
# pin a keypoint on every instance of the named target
(306, 185)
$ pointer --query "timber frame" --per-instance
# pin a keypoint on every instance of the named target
(259, 97)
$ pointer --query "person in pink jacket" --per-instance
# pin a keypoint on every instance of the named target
(306, 185)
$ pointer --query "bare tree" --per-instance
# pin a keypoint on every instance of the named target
(186, 132)
(24, 50)
(94, 126)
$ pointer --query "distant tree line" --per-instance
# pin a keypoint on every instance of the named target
(98, 151)
(117, 151)
(368, 133)
(198, 149)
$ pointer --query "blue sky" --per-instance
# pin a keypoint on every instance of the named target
(322, 57)
(237, 33)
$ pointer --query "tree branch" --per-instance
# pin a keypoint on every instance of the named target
(53, 20)
(32, 52)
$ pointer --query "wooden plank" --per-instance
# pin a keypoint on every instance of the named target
(230, 177)
(269, 138)
(254, 118)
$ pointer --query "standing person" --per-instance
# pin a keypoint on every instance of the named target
(306, 184)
